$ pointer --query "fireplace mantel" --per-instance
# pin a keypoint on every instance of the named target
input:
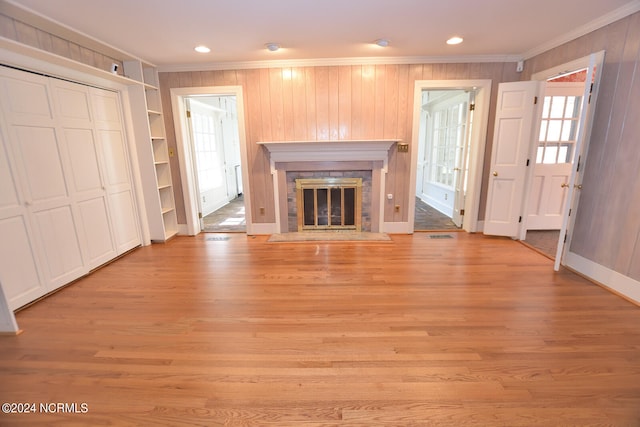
(372, 154)
(329, 150)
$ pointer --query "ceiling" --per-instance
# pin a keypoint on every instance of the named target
(165, 32)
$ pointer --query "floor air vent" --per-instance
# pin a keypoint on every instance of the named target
(217, 238)
(440, 236)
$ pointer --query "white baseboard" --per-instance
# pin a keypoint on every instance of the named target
(262, 228)
(397, 228)
(183, 229)
(617, 282)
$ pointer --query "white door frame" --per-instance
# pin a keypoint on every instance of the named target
(185, 155)
(476, 152)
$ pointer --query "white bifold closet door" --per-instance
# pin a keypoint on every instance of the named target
(66, 198)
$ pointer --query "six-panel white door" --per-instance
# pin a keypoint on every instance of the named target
(511, 142)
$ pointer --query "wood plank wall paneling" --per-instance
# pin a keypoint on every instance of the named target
(35, 37)
(326, 103)
(607, 229)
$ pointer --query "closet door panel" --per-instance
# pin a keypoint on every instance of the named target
(38, 152)
(73, 110)
(83, 159)
(90, 197)
(94, 217)
(57, 233)
(25, 98)
(127, 234)
(108, 120)
(72, 103)
(18, 269)
(39, 155)
(115, 157)
(19, 274)
(9, 199)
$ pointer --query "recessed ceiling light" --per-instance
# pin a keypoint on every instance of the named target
(455, 40)
(202, 49)
(382, 42)
(272, 46)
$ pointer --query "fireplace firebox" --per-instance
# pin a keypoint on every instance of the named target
(329, 203)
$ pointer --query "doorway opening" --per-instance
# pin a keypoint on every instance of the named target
(450, 125)
(212, 122)
(524, 135)
(557, 137)
(443, 162)
(213, 158)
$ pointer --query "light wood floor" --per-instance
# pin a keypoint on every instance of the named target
(469, 330)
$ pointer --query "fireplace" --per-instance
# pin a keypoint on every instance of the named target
(328, 160)
(329, 204)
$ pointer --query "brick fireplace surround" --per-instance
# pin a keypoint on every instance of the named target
(329, 158)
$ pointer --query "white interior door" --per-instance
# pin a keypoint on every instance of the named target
(21, 279)
(590, 94)
(38, 149)
(513, 133)
(209, 155)
(114, 161)
(554, 155)
(462, 164)
(73, 112)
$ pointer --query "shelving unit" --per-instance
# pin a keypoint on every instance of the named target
(151, 144)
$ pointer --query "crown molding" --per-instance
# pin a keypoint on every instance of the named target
(603, 21)
(319, 62)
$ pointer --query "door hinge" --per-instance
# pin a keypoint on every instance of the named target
(461, 212)
(569, 212)
(565, 238)
(472, 107)
(535, 100)
(188, 114)
(200, 215)
(520, 218)
(578, 165)
(527, 162)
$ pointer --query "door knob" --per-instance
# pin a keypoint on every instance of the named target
(578, 186)
(495, 173)
(565, 185)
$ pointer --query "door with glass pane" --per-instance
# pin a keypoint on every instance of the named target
(209, 155)
(554, 154)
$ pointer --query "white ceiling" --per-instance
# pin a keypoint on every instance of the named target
(165, 32)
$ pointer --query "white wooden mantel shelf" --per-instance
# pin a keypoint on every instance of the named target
(329, 150)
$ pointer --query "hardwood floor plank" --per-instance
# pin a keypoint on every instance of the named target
(470, 330)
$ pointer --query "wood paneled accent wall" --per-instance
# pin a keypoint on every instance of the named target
(15, 29)
(607, 229)
(326, 103)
